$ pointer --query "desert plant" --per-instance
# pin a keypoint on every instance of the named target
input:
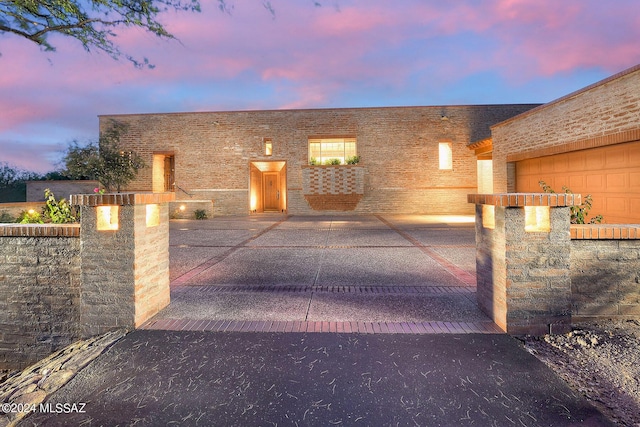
(333, 162)
(58, 211)
(200, 214)
(353, 160)
(30, 217)
(579, 213)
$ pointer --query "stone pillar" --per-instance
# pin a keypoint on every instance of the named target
(523, 254)
(124, 259)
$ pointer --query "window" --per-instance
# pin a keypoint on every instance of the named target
(268, 147)
(323, 150)
(446, 155)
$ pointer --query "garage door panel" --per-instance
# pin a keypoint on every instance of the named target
(546, 167)
(610, 174)
(531, 168)
(615, 157)
(634, 154)
(577, 181)
(561, 164)
(594, 162)
(577, 162)
(595, 182)
(616, 182)
(616, 205)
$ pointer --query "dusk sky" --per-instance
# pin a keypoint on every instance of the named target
(344, 53)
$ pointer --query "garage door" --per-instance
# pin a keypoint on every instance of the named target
(610, 174)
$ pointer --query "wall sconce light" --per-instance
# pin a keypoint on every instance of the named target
(107, 217)
(183, 207)
(537, 218)
(444, 118)
(153, 215)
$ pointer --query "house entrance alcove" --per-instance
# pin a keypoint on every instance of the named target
(268, 186)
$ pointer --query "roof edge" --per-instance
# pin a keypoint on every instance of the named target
(609, 79)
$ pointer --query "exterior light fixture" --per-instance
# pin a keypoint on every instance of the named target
(183, 207)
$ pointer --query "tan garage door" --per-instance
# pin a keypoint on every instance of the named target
(610, 174)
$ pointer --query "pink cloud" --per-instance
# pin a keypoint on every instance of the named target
(546, 38)
(311, 57)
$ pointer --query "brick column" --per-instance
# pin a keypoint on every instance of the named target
(523, 260)
(124, 259)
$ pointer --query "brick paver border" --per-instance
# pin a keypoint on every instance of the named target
(286, 326)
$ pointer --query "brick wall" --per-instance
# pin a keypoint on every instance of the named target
(125, 276)
(543, 281)
(397, 146)
(523, 277)
(61, 189)
(39, 291)
(605, 113)
(333, 188)
(605, 272)
(59, 283)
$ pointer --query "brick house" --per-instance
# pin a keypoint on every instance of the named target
(411, 159)
(588, 141)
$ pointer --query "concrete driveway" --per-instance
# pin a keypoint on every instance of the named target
(391, 274)
(405, 342)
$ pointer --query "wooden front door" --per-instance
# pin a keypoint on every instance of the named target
(271, 191)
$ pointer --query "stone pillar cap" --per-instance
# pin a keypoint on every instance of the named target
(121, 199)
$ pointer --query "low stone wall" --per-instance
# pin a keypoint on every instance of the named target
(59, 283)
(39, 291)
(538, 274)
(605, 272)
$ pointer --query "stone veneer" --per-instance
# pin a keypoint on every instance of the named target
(59, 283)
(543, 281)
(523, 277)
(605, 271)
(39, 291)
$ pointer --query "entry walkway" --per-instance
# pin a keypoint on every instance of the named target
(367, 274)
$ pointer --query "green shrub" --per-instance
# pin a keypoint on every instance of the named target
(580, 212)
(200, 214)
(30, 217)
(332, 162)
(58, 211)
(313, 161)
(353, 160)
